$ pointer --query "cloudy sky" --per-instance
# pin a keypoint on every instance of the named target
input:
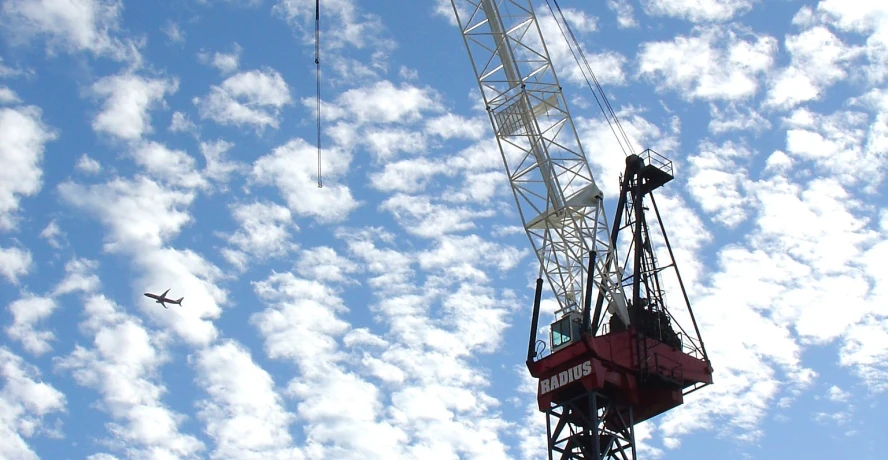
(155, 145)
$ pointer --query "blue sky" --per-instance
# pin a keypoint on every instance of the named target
(155, 145)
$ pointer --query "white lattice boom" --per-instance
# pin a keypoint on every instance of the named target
(560, 205)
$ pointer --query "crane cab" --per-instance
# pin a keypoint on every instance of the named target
(566, 330)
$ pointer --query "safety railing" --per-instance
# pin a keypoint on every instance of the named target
(658, 161)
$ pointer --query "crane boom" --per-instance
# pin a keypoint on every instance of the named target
(560, 205)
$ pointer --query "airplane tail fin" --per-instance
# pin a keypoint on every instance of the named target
(180, 301)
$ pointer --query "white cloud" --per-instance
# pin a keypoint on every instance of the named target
(128, 99)
(457, 417)
(407, 73)
(687, 234)
(309, 309)
(482, 176)
(141, 216)
(87, 165)
(607, 65)
(837, 144)
(421, 216)
(217, 167)
(26, 312)
(795, 217)
(180, 123)
(244, 415)
(624, 11)
(386, 143)
(861, 16)
(719, 181)
(381, 103)
(391, 268)
(698, 10)
(325, 265)
(102, 456)
(746, 381)
(14, 262)
(51, 234)
(802, 258)
(460, 252)
(715, 63)
(23, 138)
(778, 162)
(224, 62)
(79, 277)
(173, 167)
(292, 168)
(139, 212)
(341, 411)
(444, 8)
(70, 25)
(864, 18)
(865, 351)
(191, 276)
(264, 233)
(123, 366)
(363, 337)
(453, 126)
(242, 3)
(11, 72)
(408, 176)
(531, 444)
(173, 32)
(819, 59)
(354, 27)
(837, 394)
(8, 96)
(26, 401)
(253, 98)
(735, 117)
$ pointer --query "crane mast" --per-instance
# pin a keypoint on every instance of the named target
(558, 200)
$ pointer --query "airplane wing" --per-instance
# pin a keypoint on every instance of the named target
(164, 294)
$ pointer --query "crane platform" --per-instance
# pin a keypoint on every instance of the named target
(608, 364)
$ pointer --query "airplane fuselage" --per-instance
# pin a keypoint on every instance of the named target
(163, 300)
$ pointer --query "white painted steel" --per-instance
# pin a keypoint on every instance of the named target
(560, 205)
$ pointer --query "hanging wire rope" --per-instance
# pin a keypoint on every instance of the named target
(606, 109)
(318, 79)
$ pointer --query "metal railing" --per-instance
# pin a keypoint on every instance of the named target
(658, 161)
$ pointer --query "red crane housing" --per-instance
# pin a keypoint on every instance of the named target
(600, 381)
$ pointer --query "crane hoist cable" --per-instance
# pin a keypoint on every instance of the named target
(318, 80)
(578, 54)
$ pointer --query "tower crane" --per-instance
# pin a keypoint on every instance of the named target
(627, 357)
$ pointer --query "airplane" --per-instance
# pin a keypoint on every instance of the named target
(163, 300)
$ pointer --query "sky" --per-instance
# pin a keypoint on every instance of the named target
(148, 146)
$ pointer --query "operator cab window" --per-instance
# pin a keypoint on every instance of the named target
(566, 330)
(561, 332)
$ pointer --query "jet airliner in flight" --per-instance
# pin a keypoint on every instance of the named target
(163, 300)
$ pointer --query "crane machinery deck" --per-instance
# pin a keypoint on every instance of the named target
(629, 357)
